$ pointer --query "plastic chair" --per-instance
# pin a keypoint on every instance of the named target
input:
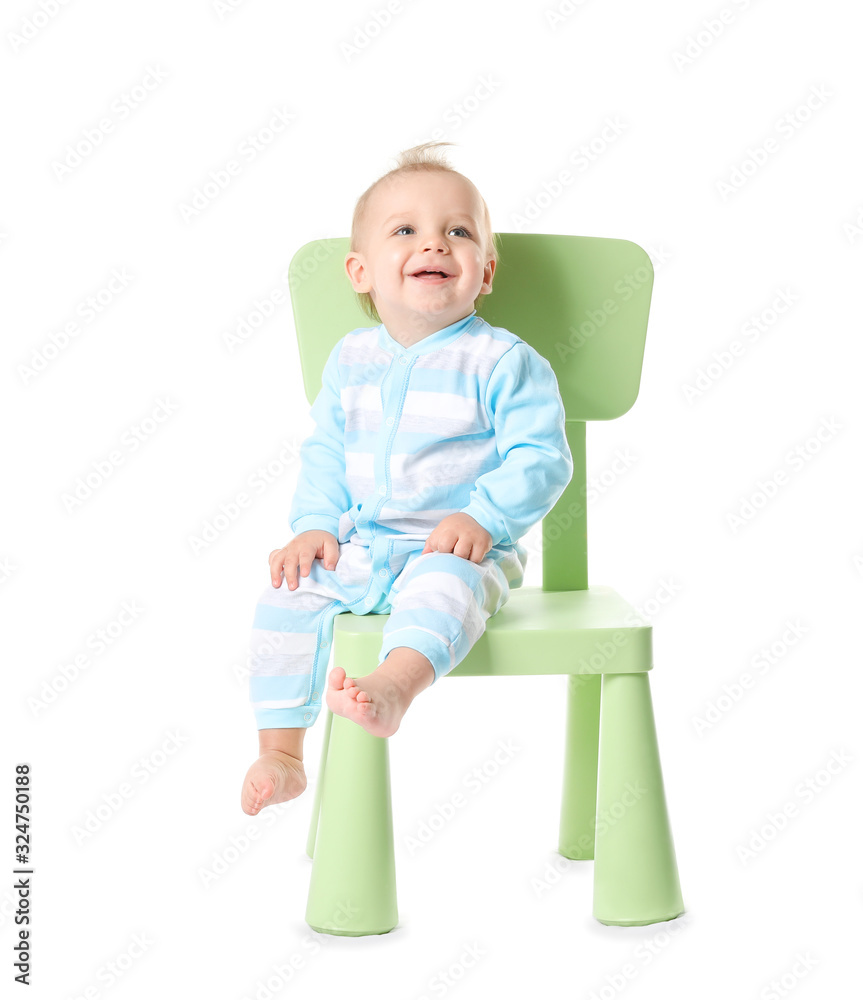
(582, 303)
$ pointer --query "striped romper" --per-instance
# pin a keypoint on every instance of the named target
(467, 420)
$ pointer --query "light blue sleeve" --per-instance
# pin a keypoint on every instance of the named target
(321, 496)
(524, 404)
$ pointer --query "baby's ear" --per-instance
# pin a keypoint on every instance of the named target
(356, 270)
(488, 277)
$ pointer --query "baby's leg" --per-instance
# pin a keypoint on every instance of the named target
(440, 604)
(286, 680)
(277, 775)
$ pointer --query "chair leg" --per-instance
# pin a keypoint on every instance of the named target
(352, 889)
(316, 808)
(578, 809)
(635, 873)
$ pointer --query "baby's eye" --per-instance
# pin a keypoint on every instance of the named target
(454, 229)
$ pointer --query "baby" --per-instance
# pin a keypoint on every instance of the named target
(439, 442)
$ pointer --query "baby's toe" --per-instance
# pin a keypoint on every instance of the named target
(262, 789)
(254, 795)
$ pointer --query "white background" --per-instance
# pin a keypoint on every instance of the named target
(520, 94)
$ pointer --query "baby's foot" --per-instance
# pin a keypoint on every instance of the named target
(373, 702)
(274, 777)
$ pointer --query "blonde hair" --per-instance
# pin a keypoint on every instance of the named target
(426, 157)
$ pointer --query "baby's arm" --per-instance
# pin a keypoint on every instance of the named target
(321, 487)
(523, 401)
(321, 496)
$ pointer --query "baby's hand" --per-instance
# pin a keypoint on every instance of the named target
(461, 535)
(301, 551)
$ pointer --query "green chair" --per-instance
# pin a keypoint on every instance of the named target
(582, 303)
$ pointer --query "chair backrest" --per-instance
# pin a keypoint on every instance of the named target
(581, 301)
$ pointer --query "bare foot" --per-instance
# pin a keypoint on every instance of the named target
(274, 777)
(378, 701)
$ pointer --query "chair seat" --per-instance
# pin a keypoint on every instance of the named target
(593, 631)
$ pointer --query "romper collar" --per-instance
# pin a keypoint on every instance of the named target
(434, 342)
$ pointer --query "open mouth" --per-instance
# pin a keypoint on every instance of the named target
(432, 277)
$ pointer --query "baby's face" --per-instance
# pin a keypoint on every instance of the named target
(415, 224)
